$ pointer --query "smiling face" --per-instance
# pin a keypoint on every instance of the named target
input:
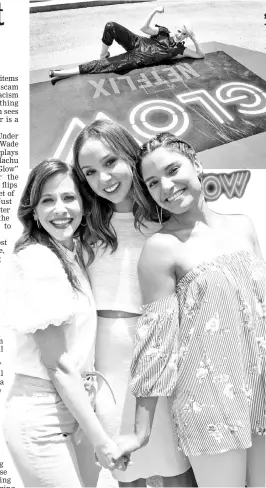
(180, 34)
(172, 179)
(59, 210)
(107, 175)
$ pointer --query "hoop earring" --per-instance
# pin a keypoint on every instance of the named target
(84, 222)
(160, 216)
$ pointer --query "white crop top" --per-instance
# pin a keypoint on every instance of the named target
(37, 293)
(114, 277)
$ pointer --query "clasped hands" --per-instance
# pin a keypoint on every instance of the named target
(117, 454)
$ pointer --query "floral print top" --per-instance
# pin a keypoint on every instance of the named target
(204, 347)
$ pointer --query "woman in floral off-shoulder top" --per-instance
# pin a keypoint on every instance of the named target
(202, 337)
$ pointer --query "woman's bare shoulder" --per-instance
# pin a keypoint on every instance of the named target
(240, 221)
(159, 251)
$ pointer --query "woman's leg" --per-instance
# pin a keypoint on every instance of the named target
(183, 480)
(116, 32)
(60, 74)
(116, 64)
(136, 483)
(256, 461)
(227, 469)
(38, 431)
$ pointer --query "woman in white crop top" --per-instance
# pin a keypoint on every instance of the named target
(104, 157)
(48, 302)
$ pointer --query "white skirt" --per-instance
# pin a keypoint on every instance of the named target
(114, 344)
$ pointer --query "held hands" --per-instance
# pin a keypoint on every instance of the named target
(111, 456)
(128, 443)
(117, 454)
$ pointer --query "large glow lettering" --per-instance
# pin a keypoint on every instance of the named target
(234, 184)
(212, 188)
(138, 118)
(255, 97)
(205, 99)
(231, 184)
(168, 127)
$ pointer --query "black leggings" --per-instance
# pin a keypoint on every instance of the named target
(116, 32)
(137, 53)
(123, 63)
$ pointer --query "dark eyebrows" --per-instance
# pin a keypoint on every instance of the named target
(102, 160)
(70, 192)
(46, 195)
(85, 167)
(149, 178)
(165, 169)
(173, 163)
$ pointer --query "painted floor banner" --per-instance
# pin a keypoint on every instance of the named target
(207, 102)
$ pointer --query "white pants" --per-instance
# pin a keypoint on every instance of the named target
(37, 429)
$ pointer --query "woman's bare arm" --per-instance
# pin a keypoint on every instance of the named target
(68, 382)
(147, 28)
(189, 53)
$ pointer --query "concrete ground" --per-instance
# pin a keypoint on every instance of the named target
(70, 37)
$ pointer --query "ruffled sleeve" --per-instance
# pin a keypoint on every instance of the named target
(154, 363)
(36, 292)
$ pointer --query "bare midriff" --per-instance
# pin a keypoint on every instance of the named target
(116, 314)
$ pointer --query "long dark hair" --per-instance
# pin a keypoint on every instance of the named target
(32, 234)
(146, 207)
(117, 139)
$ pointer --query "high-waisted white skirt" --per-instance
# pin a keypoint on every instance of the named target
(114, 347)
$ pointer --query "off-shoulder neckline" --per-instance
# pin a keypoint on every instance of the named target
(194, 271)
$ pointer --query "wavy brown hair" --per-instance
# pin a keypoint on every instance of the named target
(117, 139)
(32, 234)
(146, 207)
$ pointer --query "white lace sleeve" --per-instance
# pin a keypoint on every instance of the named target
(37, 292)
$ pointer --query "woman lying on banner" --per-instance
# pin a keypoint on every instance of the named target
(48, 302)
(161, 46)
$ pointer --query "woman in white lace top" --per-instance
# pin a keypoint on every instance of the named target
(48, 302)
